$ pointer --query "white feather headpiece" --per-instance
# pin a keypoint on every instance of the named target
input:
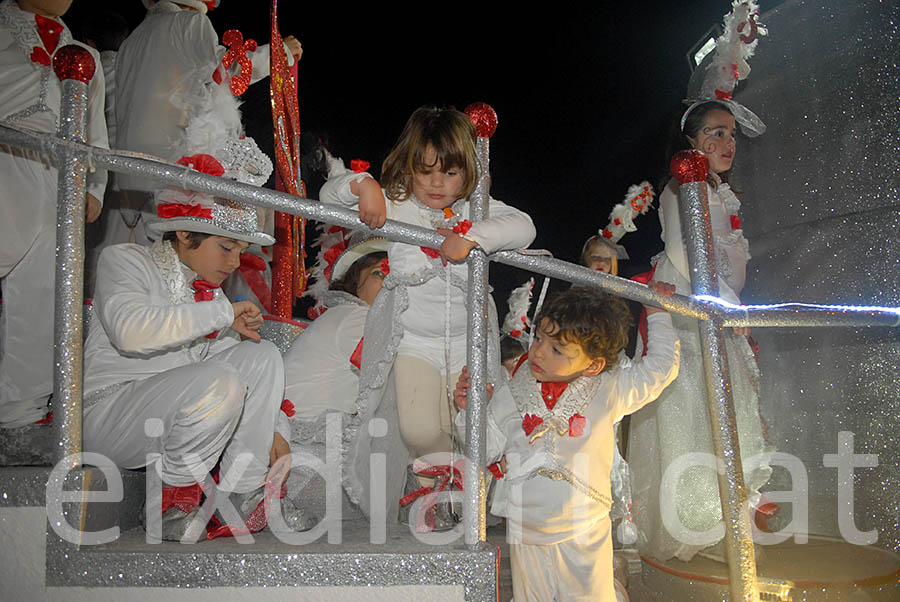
(638, 200)
(517, 322)
(729, 64)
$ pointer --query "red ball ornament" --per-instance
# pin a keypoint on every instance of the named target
(689, 166)
(74, 62)
(484, 118)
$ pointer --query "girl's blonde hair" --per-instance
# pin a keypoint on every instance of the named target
(452, 135)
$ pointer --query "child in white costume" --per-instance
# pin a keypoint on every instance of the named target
(554, 421)
(165, 383)
(167, 63)
(30, 96)
(427, 178)
(678, 423)
(322, 365)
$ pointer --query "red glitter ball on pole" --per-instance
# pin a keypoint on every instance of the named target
(689, 166)
(74, 62)
(484, 118)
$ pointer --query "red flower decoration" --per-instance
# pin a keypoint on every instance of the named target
(359, 165)
(617, 222)
(531, 422)
(385, 266)
(433, 253)
(606, 233)
(720, 95)
(287, 406)
(515, 333)
(39, 55)
(735, 222)
(576, 425)
(495, 470)
(203, 163)
(462, 227)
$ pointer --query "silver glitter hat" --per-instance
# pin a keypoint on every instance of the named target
(729, 65)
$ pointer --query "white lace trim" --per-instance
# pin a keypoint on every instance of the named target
(23, 29)
(526, 392)
(173, 275)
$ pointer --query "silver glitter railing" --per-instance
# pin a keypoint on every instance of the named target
(694, 213)
(74, 157)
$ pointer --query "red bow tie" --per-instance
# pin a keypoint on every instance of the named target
(205, 291)
(48, 30)
(551, 393)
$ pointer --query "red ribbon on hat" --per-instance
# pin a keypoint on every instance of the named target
(203, 163)
(170, 210)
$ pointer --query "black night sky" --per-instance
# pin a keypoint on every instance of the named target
(585, 95)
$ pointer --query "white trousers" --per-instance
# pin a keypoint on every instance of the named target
(579, 569)
(224, 406)
(27, 273)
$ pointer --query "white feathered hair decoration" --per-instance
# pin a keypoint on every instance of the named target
(332, 242)
(638, 200)
(516, 322)
(729, 65)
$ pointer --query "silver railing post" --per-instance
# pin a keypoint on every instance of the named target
(74, 66)
(474, 511)
(691, 169)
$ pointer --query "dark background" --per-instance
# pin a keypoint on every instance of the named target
(585, 95)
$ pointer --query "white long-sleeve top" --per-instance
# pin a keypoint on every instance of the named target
(730, 247)
(30, 96)
(424, 320)
(162, 69)
(318, 374)
(564, 479)
(137, 331)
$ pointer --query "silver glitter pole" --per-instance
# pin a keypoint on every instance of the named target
(694, 211)
(787, 314)
(75, 67)
(474, 512)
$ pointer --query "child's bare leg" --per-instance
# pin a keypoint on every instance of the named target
(424, 412)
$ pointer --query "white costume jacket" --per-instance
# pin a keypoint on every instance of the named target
(558, 484)
(30, 96)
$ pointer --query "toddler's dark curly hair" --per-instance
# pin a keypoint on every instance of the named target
(597, 321)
